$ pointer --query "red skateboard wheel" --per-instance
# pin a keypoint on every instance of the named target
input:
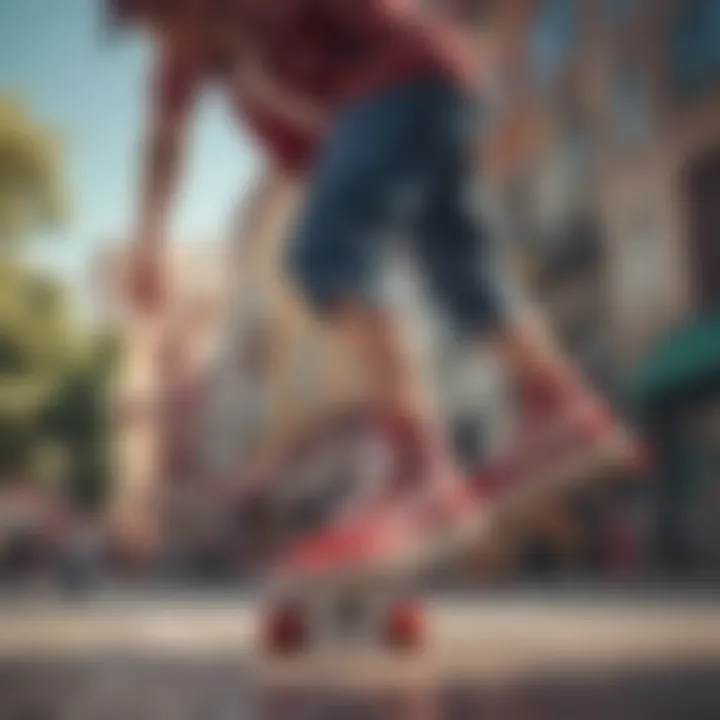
(405, 626)
(285, 631)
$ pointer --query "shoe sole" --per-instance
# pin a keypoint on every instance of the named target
(518, 506)
(485, 525)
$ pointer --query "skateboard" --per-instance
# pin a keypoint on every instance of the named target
(316, 476)
(371, 600)
(362, 614)
(377, 603)
(333, 469)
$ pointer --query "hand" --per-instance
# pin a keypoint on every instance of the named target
(146, 286)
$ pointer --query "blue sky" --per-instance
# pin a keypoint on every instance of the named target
(90, 89)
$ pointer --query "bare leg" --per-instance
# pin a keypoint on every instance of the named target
(398, 390)
(382, 345)
(531, 357)
(525, 349)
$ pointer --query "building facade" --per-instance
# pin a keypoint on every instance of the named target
(619, 193)
(158, 390)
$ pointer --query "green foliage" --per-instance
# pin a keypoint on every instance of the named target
(77, 419)
(53, 373)
(53, 388)
(36, 347)
(32, 193)
(36, 334)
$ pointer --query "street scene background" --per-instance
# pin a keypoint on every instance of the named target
(122, 437)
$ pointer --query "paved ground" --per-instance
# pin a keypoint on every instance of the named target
(509, 659)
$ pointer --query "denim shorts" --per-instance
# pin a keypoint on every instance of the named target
(402, 161)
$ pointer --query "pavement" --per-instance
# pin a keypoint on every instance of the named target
(487, 657)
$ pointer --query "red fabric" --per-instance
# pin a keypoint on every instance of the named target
(290, 149)
(177, 80)
(330, 51)
(344, 50)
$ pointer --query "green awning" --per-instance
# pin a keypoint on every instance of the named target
(682, 360)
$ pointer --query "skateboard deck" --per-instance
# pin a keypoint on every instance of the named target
(377, 602)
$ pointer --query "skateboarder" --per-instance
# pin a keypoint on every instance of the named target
(375, 100)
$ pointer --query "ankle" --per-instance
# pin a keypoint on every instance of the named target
(419, 443)
(551, 386)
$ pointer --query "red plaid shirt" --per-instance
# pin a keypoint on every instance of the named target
(289, 148)
(178, 80)
(331, 51)
(345, 49)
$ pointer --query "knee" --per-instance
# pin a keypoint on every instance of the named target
(299, 263)
(312, 267)
(475, 302)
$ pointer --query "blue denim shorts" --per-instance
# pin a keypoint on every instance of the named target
(401, 161)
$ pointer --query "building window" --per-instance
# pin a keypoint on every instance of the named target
(564, 186)
(630, 106)
(703, 198)
(695, 48)
(622, 11)
(553, 39)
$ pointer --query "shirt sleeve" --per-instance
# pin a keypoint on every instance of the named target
(376, 14)
(176, 81)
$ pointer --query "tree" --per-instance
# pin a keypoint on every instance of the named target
(53, 372)
(38, 348)
(35, 337)
(53, 380)
(77, 419)
(31, 189)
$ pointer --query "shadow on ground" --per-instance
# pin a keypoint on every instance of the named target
(127, 688)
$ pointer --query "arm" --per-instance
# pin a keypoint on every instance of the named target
(172, 98)
(173, 95)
